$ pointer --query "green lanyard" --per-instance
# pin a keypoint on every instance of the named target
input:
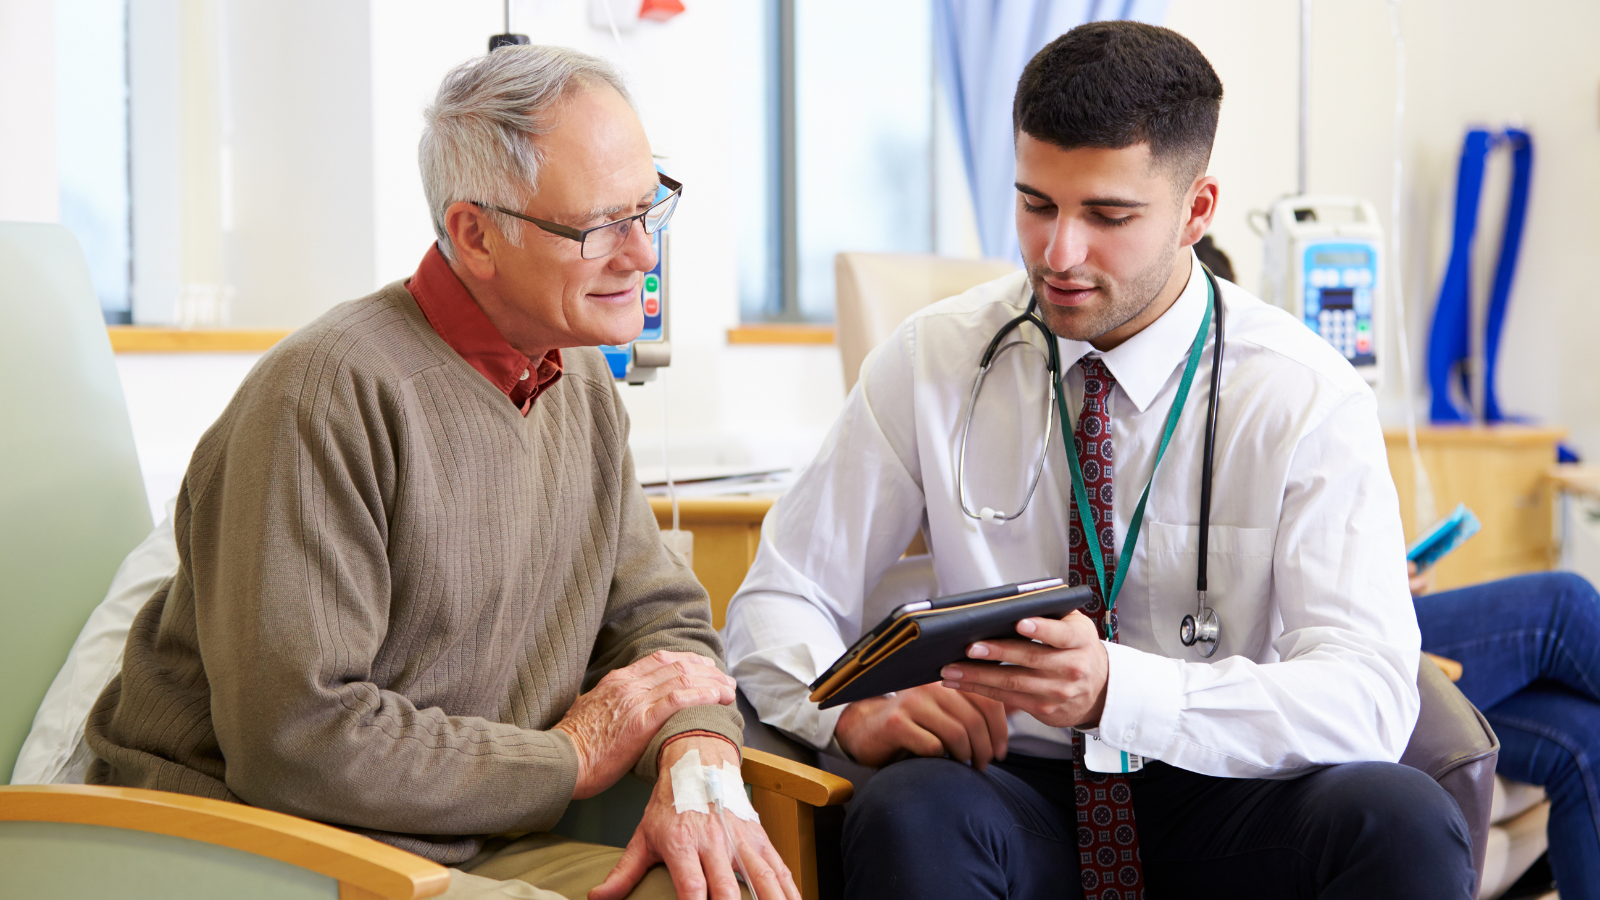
(1091, 537)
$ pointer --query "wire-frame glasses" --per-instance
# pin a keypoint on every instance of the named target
(603, 240)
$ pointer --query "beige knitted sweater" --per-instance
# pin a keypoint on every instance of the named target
(392, 586)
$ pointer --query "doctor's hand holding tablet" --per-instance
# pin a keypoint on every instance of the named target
(1056, 669)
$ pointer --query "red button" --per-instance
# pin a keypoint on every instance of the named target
(651, 306)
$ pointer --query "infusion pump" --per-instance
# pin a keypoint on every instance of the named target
(637, 361)
(1324, 264)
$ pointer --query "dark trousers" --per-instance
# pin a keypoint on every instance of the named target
(937, 828)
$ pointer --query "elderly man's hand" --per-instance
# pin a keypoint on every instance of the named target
(923, 721)
(1059, 676)
(694, 846)
(611, 725)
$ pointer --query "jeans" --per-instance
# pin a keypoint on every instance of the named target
(1529, 648)
(926, 828)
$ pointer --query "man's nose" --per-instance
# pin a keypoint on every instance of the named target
(638, 251)
(1067, 248)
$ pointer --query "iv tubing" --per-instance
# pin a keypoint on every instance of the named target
(1423, 503)
(666, 462)
(733, 846)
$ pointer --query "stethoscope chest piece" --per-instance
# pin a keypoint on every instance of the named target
(1202, 629)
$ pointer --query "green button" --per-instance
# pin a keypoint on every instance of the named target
(652, 283)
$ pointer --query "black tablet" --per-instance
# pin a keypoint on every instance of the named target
(916, 641)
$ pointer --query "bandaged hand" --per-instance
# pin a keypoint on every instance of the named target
(611, 725)
(1058, 671)
(694, 845)
(924, 721)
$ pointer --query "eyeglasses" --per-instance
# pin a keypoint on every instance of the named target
(603, 240)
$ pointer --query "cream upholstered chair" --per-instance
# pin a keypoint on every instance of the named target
(1518, 818)
(1452, 742)
(72, 504)
(876, 291)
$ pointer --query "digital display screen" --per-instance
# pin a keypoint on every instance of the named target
(1339, 258)
(1338, 298)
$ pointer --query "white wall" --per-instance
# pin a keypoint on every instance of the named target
(299, 212)
(28, 191)
(1468, 62)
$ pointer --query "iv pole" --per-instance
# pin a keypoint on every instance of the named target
(1304, 180)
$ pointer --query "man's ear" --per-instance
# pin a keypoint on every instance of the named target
(1200, 207)
(472, 236)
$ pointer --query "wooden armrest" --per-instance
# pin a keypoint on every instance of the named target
(371, 868)
(798, 781)
(1452, 669)
(785, 795)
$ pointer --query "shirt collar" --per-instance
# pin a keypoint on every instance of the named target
(1143, 363)
(462, 324)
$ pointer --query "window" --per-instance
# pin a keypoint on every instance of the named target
(851, 151)
(92, 142)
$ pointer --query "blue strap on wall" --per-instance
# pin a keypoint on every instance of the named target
(1510, 246)
(1449, 344)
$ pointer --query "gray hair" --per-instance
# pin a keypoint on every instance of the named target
(479, 144)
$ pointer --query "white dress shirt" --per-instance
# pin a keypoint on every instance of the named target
(1317, 662)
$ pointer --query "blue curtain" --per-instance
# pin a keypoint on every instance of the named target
(981, 47)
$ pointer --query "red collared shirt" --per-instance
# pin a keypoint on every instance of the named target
(458, 319)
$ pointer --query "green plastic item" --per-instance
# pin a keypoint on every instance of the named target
(608, 817)
(90, 862)
(72, 501)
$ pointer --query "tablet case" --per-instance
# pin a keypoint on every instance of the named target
(910, 649)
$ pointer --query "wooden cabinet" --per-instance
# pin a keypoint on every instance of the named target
(1502, 474)
(727, 531)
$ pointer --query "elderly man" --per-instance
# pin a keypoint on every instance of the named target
(415, 536)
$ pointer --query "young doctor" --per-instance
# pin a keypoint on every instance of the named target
(1267, 769)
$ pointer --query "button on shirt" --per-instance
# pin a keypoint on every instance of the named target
(462, 324)
(1319, 647)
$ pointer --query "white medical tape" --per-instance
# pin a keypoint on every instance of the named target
(695, 787)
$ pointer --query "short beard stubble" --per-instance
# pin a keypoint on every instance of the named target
(1124, 301)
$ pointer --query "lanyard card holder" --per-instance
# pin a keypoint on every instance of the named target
(1098, 756)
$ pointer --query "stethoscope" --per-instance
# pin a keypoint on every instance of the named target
(1204, 626)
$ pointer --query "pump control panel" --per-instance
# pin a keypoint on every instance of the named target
(1324, 265)
(636, 362)
(1339, 278)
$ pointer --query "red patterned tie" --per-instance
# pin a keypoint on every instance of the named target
(1108, 841)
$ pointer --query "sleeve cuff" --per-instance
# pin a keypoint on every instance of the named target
(723, 721)
(1143, 695)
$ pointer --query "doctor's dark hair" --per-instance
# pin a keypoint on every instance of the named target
(1116, 84)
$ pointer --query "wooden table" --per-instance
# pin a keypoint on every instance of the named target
(727, 531)
(1503, 474)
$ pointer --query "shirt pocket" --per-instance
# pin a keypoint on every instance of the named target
(1238, 586)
